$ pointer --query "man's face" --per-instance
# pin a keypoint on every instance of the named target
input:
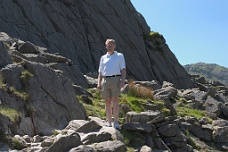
(110, 46)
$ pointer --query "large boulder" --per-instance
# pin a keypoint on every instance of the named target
(45, 102)
(4, 56)
(220, 131)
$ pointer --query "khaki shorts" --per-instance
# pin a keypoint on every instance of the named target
(111, 87)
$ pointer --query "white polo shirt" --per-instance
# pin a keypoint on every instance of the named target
(112, 64)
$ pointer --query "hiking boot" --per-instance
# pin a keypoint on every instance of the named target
(108, 125)
(116, 125)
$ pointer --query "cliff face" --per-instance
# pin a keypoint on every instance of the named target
(78, 30)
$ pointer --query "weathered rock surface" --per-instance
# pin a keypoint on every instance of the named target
(78, 30)
(42, 96)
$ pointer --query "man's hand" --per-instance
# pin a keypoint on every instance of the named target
(122, 83)
(99, 86)
(99, 81)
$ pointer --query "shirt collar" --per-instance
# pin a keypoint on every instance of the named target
(112, 54)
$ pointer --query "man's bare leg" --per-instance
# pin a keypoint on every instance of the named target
(108, 109)
(116, 109)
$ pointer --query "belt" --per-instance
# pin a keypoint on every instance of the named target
(112, 76)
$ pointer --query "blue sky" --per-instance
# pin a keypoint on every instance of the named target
(195, 30)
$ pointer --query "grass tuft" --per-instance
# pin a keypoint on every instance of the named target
(11, 113)
(25, 75)
(19, 93)
(140, 91)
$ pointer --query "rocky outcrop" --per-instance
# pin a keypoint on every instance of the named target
(169, 134)
(78, 30)
(35, 85)
(78, 135)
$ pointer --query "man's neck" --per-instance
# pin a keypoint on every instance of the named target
(111, 52)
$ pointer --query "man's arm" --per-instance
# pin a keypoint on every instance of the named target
(123, 77)
(99, 79)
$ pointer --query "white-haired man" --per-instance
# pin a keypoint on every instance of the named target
(112, 70)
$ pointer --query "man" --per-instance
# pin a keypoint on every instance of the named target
(112, 70)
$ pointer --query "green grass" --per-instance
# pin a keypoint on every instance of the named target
(25, 75)
(24, 96)
(96, 107)
(18, 93)
(9, 112)
(132, 102)
(94, 111)
(184, 111)
(135, 103)
(153, 35)
(55, 132)
(11, 141)
(16, 144)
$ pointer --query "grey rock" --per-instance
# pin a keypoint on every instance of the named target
(149, 105)
(4, 56)
(83, 126)
(81, 91)
(136, 126)
(45, 88)
(27, 138)
(4, 147)
(145, 117)
(26, 126)
(116, 135)
(65, 143)
(111, 146)
(165, 93)
(186, 94)
(223, 97)
(169, 130)
(220, 131)
(72, 72)
(4, 37)
(75, 124)
(201, 80)
(98, 120)
(224, 109)
(159, 143)
(166, 84)
(195, 104)
(5, 124)
(149, 142)
(201, 87)
(47, 142)
(213, 106)
(12, 73)
(37, 138)
(145, 149)
(95, 137)
(28, 47)
(92, 82)
(83, 148)
(154, 85)
(204, 134)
